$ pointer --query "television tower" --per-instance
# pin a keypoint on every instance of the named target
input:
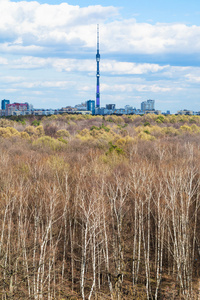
(98, 74)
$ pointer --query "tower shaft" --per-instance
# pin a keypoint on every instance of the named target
(98, 73)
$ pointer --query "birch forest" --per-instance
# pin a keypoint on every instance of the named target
(95, 207)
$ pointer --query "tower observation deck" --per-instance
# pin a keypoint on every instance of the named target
(98, 74)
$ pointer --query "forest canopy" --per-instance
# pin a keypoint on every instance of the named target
(100, 207)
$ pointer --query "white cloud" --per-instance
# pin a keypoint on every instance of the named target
(37, 93)
(87, 65)
(3, 61)
(11, 79)
(115, 67)
(9, 90)
(30, 62)
(135, 87)
(19, 49)
(34, 24)
(43, 84)
(193, 78)
(30, 27)
(128, 36)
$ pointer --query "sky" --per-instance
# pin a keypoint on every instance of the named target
(149, 50)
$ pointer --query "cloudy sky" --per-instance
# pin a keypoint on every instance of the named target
(149, 50)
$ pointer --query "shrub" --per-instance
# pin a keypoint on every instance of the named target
(107, 129)
(47, 141)
(35, 123)
(172, 119)
(94, 128)
(195, 128)
(24, 135)
(183, 119)
(145, 137)
(23, 122)
(63, 140)
(84, 132)
(155, 130)
(13, 131)
(57, 163)
(147, 131)
(186, 128)
(160, 119)
(122, 142)
(51, 129)
(62, 133)
(30, 130)
(6, 123)
(171, 131)
(39, 130)
(5, 133)
(8, 132)
(114, 148)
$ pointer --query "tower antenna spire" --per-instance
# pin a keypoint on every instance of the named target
(98, 73)
(97, 37)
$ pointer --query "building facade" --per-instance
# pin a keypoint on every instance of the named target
(91, 106)
(16, 107)
(3, 103)
(148, 105)
(110, 106)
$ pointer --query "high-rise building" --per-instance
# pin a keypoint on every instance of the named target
(110, 106)
(3, 103)
(148, 105)
(20, 107)
(91, 106)
(98, 74)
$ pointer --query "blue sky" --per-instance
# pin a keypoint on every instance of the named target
(149, 50)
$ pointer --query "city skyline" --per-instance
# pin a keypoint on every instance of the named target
(148, 51)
